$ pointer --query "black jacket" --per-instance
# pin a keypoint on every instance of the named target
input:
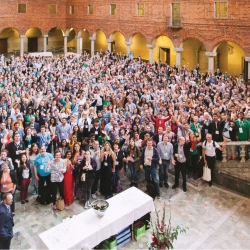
(187, 147)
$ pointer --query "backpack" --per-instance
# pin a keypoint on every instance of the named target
(45, 198)
(206, 143)
(150, 190)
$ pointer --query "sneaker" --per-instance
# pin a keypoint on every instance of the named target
(158, 197)
(98, 193)
(26, 201)
(166, 185)
(93, 196)
(34, 192)
(185, 189)
(22, 202)
(174, 186)
(54, 207)
(210, 184)
(161, 185)
(86, 205)
(89, 204)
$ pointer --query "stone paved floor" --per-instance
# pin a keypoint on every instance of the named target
(216, 218)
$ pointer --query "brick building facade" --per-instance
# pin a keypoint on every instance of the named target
(212, 33)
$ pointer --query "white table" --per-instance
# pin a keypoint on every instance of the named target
(47, 54)
(87, 228)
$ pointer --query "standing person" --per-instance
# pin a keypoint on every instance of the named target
(86, 177)
(6, 221)
(58, 168)
(149, 160)
(42, 170)
(8, 181)
(166, 152)
(78, 155)
(63, 130)
(25, 176)
(209, 151)
(43, 138)
(4, 158)
(68, 180)
(32, 156)
(133, 159)
(107, 167)
(182, 156)
(160, 121)
(95, 154)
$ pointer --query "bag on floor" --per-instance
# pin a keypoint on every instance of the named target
(60, 204)
(151, 190)
(45, 198)
(116, 183)
(206, 173)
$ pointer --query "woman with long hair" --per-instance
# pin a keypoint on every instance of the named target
(68, 180)
(63, 147)
(108, 161)
(32, 156)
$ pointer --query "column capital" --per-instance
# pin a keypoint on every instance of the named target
(247, 59)
(92, 38)
(109, 40)
(128, 43)
(22, 36)
(178, 49)
(77, 37)
(65, 35)
(150, 46)
(45, 36)
(210, 54)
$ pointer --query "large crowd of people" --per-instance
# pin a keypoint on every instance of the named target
(70, 124)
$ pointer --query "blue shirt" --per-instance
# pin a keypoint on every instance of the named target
(41, 162)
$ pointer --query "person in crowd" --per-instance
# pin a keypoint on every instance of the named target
(133, 159)
(63, 130)
(57, 170)
(181, 159)
(6, 221)
(166, 152)
(8, 182)
(43, 138)
(63, 147)
(209, 147)
(86, 177)
(34, 151)
(42, 170)
(108, 163)
(149, 160)
(4, 158)
(25, 176)
(68, 179)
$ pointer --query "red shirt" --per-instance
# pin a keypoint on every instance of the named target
(160, 122)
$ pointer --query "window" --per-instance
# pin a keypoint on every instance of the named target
(71, 9)
(90, 9)
(112, 9)
(140, 9)
(176, 14)
(220, 9)
(22, 8)
(52, 9)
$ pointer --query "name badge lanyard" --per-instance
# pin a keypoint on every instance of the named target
(17, 146)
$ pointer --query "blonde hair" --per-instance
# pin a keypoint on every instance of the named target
(110, 151)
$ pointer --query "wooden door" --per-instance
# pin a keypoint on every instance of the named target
(3, 46)
(32, 44)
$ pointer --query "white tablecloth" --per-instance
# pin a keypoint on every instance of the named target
(87, 228)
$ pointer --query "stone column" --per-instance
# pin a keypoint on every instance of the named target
(78, 44)
(109, 41)
(92, 39)
(45, 42)
(247, 59)
(178, 56)
(151, 52)
(210, 56)
(65, 44)
(128, 47)
(21, 45)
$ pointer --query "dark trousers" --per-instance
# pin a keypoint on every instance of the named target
(41, 183)
(54, 186)
(12, 206)
(24, 189)
(95, 183)
(86, 188)
(218, 154)
(181, 167)
(163, 171)
(5, 244)
(194, 162)
(210, 163)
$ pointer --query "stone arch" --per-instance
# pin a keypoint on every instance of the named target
(110, 35)
(139, 44)
(12, 38)
(118, 42)
(35, 28)
(55, 39)
(141, 33)
(96, 31)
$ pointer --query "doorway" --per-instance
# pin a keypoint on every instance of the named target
(164, 55)
(33, 44)
(3, 46)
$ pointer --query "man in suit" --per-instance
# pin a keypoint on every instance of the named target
(33, 125)
(6, 221)
(159, 136)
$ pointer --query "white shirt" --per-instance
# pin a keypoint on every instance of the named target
(210, 149)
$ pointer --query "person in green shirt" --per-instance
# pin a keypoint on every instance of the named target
(195, 126)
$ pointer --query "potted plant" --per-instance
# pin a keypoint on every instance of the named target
(164, 235)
